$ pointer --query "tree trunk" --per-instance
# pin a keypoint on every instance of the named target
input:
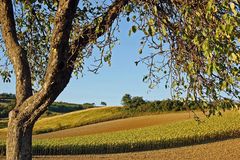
(19, 140)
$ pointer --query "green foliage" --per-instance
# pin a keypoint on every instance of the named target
(136, 101)
(194, 45)
(88, 105)
(7, 96)
(132, 102)
(7, 103)
(126, 100)
(63, 107)
(103, 103)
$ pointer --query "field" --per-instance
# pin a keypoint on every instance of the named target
(92, 116)
(74, 119)
(222, 150)
(78, 118)
(108, 130)
(161, 136)
(120, 124)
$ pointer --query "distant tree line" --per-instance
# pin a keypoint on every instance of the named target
(139, 104)
(7, 103)
(7, 96)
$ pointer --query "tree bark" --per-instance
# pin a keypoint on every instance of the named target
(19, 140)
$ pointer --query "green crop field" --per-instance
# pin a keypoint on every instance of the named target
(155, 137)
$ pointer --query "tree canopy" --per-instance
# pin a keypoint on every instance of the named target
(195, 44)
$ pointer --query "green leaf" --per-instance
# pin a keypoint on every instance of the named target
(232, 6)
(134, 29)
(164, 31)
(205, 45)
(155, 10)
(151, 22)
(195, 40)
(234, 57)
(224, 85)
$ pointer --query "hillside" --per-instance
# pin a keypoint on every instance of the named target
(7, 102)
(74, 119)
(78, 118)
(119, 125)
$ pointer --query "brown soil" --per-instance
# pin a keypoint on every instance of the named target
(118, 125)
(223, 150)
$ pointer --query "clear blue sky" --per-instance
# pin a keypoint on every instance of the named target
(112, 82)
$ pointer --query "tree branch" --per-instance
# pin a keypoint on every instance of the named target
(16, 53)
(58, 73)
(93, 31)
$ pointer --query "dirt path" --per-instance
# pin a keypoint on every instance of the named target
(223, 150)
(118, 125)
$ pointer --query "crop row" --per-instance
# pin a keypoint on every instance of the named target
(155, 137)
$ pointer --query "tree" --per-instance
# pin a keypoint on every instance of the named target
(195, 47)
(132, 102)
(136, 101)
(103, 103)
(126, 100)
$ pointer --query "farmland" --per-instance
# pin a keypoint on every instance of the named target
(76, 119)
(73, 119)
(222, 150)
(107, 130)
(83, 117)
(155, 137)
(120, 124)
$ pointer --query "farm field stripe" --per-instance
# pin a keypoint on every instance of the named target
(224, 150)
(156, 137)
(118, 125)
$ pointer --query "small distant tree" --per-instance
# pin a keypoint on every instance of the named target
(126, 100)
(88, 105)
(103, 103)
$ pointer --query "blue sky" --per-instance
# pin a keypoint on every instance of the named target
(123, 76)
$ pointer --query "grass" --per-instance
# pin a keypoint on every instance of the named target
(148, 138)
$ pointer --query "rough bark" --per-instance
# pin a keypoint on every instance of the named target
(30, 107)
(19, 141)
